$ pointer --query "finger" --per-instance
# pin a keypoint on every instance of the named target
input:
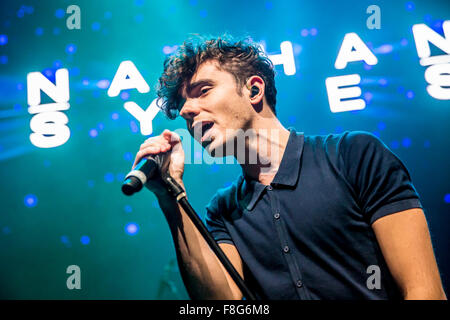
(151, 150)
(171, 137)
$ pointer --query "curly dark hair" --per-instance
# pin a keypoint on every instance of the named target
(242, 58)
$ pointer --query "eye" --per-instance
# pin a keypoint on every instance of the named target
(205, 90)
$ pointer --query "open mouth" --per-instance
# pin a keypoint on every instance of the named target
(200, 129)
(206, 125)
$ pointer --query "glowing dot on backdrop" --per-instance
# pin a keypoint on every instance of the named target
(447, 198)
(96, 26)
(3, 39)
(30, 200)
(128, 156)
(93, 133)
(39, 31)
(71, 48)
(406, 142)
(131, 228)
(85, 240)
(109, 177)
(60, 13)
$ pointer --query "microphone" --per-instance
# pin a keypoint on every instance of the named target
(147, 169)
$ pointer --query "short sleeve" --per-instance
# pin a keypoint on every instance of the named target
(215, 224)
(380, 180)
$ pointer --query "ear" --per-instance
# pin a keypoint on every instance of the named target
(257, 96)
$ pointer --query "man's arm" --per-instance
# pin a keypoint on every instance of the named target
(202, 272)
(405, 242)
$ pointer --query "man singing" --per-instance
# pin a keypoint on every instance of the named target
(312, 217)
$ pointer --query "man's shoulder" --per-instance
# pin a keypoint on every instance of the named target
(225, 198)
(344, 142)
(347, 137)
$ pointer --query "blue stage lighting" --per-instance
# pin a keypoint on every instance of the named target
(103, 84)
(30, 200)
(120, 177)
(71, 48)
(48, 72)
(39, 31)
(447, 198)
(385, 48)
(368, 97)
(65, 240)
(406, 142)
(109, 177)
(85, 240)
(133, 126)
(383, 82)
(410, 94)
(131, 228)
(96, 26)
(410, 6)
(60, 13)
(124, 95)
(3, 59)
(93, 133)
(115, 116)
(3, 39)
(57, 64)
(128, 209)
(128, 156)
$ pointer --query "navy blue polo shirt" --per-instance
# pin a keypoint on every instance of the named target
(308, 234)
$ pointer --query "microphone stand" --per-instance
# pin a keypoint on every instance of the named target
(177, 191)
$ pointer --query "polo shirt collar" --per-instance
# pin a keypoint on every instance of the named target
(287, 175)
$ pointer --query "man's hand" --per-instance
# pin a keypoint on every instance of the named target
(169, 142)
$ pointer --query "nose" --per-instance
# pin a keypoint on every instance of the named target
(189, 110)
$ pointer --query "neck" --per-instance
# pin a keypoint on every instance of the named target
(264, 149)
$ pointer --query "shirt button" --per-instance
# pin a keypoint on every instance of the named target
(299, 283)
(276, 215)
(286, 249)
(269, 188)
